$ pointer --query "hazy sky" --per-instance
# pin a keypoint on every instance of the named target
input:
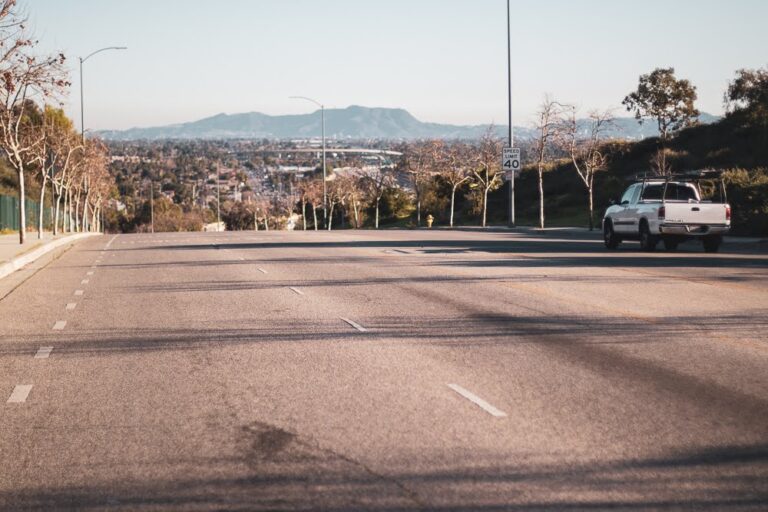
(443, 60)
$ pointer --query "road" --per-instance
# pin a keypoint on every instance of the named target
(392, 370)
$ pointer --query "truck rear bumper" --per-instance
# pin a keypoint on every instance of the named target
(694, 229)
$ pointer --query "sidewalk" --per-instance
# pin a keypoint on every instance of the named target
(14, 256)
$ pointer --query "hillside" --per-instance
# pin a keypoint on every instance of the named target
(353, 122)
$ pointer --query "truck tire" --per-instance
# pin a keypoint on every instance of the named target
(712, 243)
(647, 240)
(671, 243)
(609, 236)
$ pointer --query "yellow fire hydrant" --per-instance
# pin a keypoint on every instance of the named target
(430, 220)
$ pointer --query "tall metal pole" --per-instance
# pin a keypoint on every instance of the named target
(325, 193)
(82, 108)
(218, 200)
(152, 204)
(509, 104)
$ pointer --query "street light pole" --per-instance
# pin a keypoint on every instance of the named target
(509, 105)
(82, 108)
(325, 175)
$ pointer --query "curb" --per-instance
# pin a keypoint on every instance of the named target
(25, 259)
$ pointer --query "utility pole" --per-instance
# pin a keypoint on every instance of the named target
(325, 173)
(152, 204)
(509, 105)
(218, 200)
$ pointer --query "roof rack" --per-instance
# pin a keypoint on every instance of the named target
(680, 176)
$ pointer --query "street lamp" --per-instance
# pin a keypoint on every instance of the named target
(82, 112)
(322, 117)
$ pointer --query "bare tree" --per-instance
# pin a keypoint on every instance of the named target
(547, 124)
(23, 77)
(376, 183)
(487, 167)
(586, 150)
(417, 163)
(456, 170)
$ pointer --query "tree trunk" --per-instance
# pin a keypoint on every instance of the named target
(77, 212)
(304, 214)
(41, 210)
(56, 214)
(377, 213)
(591, 209)
(314, 216)
(453, 198)
(65, 212)
(330, 217)
(541, 198)
(22, 208)
(266, 223)
(485, 205)
(357, 216)
(256, 221)
(418, 212)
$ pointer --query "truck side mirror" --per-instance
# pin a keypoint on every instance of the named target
(611, 202)
(625, 202)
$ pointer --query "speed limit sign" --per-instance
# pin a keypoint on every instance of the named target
(510, 159)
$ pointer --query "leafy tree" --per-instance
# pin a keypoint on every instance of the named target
(748, 93)
(667, 100)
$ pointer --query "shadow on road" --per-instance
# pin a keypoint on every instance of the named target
(299, 475)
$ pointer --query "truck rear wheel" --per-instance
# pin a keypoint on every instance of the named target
(712, 243)
(647, 240)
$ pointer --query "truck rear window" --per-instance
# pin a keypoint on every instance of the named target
(675, 192)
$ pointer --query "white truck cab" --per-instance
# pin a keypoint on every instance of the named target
(670, 210)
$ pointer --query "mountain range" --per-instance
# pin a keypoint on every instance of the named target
(354, 122)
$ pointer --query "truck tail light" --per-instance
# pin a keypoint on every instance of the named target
(727, 212)
(662, 212)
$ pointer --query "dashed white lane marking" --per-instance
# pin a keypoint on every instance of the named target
(79, 292)
(478, 401)
(59, 325)
(296, 290)
(90, 273)
(241, 258)
(262, 271)
(43, 352)
(20, 394)
(110, 242)
(84, 281)
(71, 306)
(354, 324)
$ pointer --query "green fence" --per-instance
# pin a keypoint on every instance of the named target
(9, 213)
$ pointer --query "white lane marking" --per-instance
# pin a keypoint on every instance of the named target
(71, 306)
(43, 352)
(79, 292)
(478, 401)
(60, 325)
(354, 324)
(90, 273)
(241, 258)
(110, 242)
(262, 271)
(296, 290)
(20, 394)
(85, 281)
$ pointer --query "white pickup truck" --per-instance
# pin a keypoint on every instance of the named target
(667, 210)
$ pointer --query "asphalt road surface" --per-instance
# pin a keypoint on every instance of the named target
(392, 370)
